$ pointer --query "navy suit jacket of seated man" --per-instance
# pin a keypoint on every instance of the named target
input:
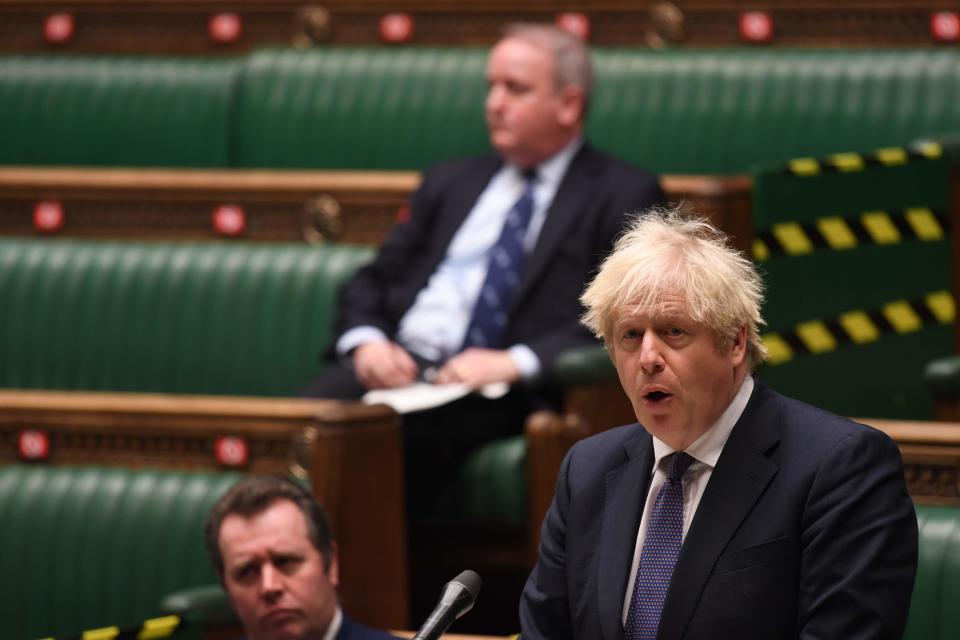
(729, 510)
(271, 544)
(410, 310)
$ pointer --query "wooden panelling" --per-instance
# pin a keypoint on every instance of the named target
(184, 26)
(315, 206)
(351, 453)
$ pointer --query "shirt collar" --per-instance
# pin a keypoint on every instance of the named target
(707, 448)
(334, 628)
(551, 171)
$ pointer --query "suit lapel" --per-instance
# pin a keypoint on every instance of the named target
(741, 475)
(460, 203)
(569, 203)
(626, 491)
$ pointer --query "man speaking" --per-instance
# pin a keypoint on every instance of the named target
(729, 511)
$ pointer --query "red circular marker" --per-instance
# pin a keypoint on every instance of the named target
(59, 27)
(231, 451)
(229, 220)
(945, 26)
(576, 23)
(756, 26)
(33, 445)
(396, 27)
(225, 27)
(48, 216)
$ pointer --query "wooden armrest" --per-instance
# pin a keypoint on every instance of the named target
(549, 437)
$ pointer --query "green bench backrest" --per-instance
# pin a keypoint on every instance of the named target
(217, 318)
(83, 548)
(689, 111)
(934, 614)
(682, 111)
(360, 108)
(64, 110)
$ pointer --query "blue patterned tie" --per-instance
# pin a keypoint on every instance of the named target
(503, 274)
(661, 547)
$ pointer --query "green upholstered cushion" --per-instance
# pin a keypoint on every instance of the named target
(217, 318)
(678, 111)
(584, 366)
(934, 614)
(943, 376)
(682, 111)
(100, 110)
(488, 489)
(720, 111)
(360, 108)
(92, 547)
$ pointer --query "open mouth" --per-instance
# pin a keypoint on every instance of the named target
(656, 396)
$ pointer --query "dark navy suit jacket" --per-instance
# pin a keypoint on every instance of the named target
(350, 630)
(591, 207)
(805, 530)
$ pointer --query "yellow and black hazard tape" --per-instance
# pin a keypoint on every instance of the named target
(152, 629)
(849, 162)
(840, 233)
(857, 327)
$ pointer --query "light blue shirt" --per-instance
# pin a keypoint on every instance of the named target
(434, 326)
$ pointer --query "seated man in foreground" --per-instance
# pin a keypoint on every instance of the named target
(729, 510)
(270, 543)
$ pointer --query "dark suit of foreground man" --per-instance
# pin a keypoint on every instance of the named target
(410, 309)
(271, 545)
(795, 523)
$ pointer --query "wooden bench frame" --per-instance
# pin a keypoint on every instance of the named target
(313, 206)
(352, 454)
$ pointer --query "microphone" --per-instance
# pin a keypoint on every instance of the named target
(457, 598)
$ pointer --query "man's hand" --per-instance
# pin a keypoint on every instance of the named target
(477, 367)
(383, 364)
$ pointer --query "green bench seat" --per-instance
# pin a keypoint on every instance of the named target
(203, 318)
(934, 614)
(696, 111)
(91, 547)
(114, 110)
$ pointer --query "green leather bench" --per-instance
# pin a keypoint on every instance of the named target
(91, 547)
(934, 614)
(683, 111)
(198, 318)
(202, 318)
(112, 110)
(716, 111)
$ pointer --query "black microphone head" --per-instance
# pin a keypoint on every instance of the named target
(470, 581)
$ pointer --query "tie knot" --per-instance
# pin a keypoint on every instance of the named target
(677, 464)
(529, 176)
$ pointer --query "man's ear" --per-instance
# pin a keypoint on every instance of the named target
(738, 349)
(333, 565)
(571, 105)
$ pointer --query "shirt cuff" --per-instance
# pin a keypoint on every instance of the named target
(526, 361)
(356, 337)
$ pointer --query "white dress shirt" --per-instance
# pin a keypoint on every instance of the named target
(705, 451)
(435, 325)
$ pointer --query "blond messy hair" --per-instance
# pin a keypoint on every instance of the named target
(672, 251)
